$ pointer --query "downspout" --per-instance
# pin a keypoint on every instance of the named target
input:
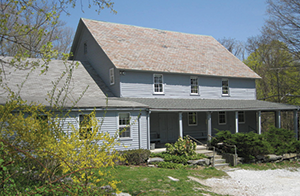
(139, 127)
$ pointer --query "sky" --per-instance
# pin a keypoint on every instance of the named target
(238, 19)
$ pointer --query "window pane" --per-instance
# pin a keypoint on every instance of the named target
(225, 87)
(158, 83)
(241, 117)
(192, 118)
(222, 117)
(124, 125)
(124, 131)
(194, 85)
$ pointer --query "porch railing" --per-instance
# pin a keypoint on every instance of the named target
(219, 144)
(252, 129)
(195, 140)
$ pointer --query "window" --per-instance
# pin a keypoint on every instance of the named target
(225, 87)
(158, 83)
(85, 48)
(222, 118)
(111, 76)
(43, 121)
(241, 117)
(192, 118)
(124, 125)
(85, 128)
(194, 85)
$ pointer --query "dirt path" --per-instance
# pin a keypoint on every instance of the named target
(255, 183)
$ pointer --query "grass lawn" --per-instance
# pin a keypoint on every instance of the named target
(141, 180)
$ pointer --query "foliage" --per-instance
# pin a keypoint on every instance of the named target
(249, 145)
(280, 74)
(177, 159)
(183, 146)
(136, 157)
(282, 140)
(37, 154)
(32, 28)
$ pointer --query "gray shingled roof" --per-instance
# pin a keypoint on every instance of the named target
(210, 104)
(37, 85)
(139, 48)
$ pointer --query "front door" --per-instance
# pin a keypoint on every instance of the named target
(168, 127)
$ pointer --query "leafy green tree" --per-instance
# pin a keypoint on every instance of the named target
(36, 155)
(275, 64)
(280, 74)
(32, 28)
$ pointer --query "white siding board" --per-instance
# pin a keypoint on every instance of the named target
(140, 84)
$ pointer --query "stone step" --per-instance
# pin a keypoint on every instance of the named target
(221, 164)
(220, 161)
(201, 147)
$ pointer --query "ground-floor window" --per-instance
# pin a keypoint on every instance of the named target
(192, 118)
(124, 124)
(241, 117)
(222, 118)
(85, 128)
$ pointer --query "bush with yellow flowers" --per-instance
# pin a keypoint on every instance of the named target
(38, 157)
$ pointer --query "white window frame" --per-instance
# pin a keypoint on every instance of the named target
(223, 87)
(155, 83)
(127, 126)
(225, 117)
(244, 117)
(195, 78)
(111, 76)
(191, 114)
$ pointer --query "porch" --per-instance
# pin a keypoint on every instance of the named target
(166, 127)
(169, 118)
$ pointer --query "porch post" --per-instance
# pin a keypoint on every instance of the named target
(278, 119)
(296, 123)
(208, 125)
(259, 122)
(180, 125)
(236, 122)
(148, 132)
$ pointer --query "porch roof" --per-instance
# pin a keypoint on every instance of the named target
(165, 104)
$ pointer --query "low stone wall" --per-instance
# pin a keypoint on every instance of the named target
(230, 158)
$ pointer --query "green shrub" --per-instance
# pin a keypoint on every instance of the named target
(159, 154)
(282, 140)
(249, 145)
(136, 157)
(183, 146)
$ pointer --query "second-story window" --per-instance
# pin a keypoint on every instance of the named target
(225, 87)
(158, 83)
(111, 76)
(194, 86)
